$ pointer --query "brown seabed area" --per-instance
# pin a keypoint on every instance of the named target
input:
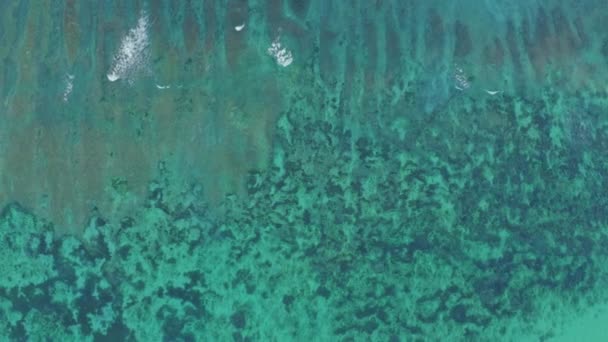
(97, 151)
(93, 150)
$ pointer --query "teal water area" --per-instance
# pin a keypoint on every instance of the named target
(303, 170)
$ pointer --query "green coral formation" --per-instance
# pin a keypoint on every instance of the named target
(387, 245)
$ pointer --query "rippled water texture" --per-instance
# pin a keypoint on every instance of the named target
(288, 170)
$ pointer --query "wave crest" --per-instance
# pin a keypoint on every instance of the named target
(133, 53)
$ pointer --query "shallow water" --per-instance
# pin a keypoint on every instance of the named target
(292, 170)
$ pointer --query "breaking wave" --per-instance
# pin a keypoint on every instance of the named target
(133, 54)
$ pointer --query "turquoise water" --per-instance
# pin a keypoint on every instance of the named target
(303, 170)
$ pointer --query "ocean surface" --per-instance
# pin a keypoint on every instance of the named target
(304, 170)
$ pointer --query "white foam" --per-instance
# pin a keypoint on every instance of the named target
(461, 81)
(113, 77)
(133, 52)
(280, 54)
(68, 87)
(239, 28)
(493, 92)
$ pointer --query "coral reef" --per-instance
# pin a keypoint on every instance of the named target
(418, 171)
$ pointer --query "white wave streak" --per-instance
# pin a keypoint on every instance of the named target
(133, 52)
(69, 86)
(282, 56)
